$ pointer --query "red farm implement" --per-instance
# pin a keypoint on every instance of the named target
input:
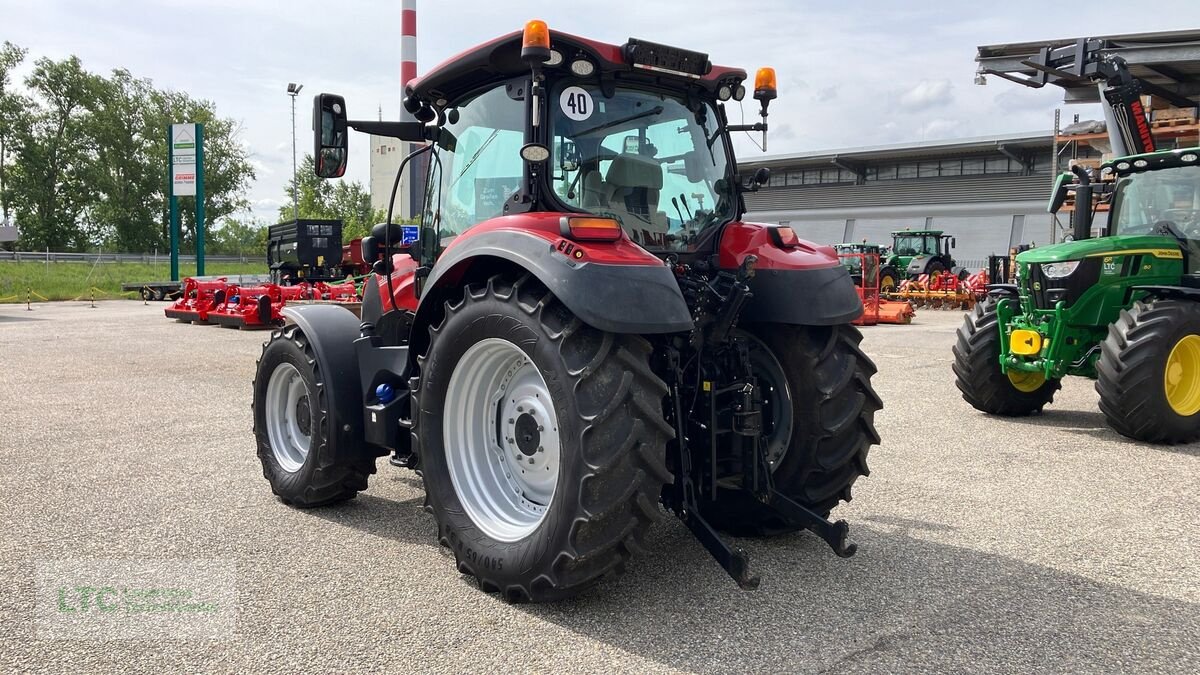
(199, 298)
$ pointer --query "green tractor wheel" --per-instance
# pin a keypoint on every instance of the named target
(1148, 376)
(979, 377)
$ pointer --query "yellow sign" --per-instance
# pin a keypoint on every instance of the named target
(1025, 342)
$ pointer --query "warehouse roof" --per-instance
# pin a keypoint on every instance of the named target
(1170, 59)
(882, 153)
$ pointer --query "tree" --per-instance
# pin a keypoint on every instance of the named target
(239, 237)
(48, 182)
(90, 158)
(127, 176)
(12, 115)
(227, 170)
(343, 200)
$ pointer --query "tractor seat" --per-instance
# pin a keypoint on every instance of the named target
(594, 192)
(634, 183)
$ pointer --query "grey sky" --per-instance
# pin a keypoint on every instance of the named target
(850, 73)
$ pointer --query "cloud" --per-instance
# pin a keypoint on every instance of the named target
(938, 129)
(826, 94)
(927, 94)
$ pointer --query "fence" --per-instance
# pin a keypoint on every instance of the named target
(92, 258)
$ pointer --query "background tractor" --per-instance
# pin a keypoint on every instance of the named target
(581, 328)
(1123, 309)
(913, 253)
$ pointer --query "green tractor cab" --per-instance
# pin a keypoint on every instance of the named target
(1123, 309)
(852, 255)
(913, 253)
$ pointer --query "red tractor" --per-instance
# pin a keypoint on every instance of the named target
(581, 328)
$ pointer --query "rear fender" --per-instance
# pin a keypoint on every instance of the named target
(804, 285)
(639, 297)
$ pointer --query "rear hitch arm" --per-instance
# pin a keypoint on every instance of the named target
(834, 534)
(732, 558)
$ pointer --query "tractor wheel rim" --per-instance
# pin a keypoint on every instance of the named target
(777, 411)
(1026, 382)
(502, 442)
(1181, 378)
(288, 419)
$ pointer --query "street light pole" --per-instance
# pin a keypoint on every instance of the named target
(293, 91)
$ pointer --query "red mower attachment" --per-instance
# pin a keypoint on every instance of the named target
(199, 298)
(254, 306)
(343, 292)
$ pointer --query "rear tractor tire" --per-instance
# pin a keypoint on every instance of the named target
(542, 441)
(294, 428)
(819, 418)
(1148, 375)
(981, 380)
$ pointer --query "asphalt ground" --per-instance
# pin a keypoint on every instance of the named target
(1047, 544)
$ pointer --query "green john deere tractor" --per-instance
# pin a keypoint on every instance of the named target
(1123, 309)
(913, 253)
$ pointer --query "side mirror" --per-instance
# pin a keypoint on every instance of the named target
(762, 176)
(330, 137)
(953, 242)
(1059, 194)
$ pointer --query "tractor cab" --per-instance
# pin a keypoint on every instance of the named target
(916, 252)
(860, 257)
(923, 242)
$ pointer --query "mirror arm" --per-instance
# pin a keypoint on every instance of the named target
(757, 126)
(405, 131)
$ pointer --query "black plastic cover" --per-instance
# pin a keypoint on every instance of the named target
(813, 297)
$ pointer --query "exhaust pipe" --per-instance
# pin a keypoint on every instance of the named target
(1081, 219)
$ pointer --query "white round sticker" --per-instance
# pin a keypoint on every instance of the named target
(576, 103)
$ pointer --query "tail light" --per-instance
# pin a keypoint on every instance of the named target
(784, 237)
(592, 229)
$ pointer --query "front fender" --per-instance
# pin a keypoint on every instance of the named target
(331, 331)
(630, 298)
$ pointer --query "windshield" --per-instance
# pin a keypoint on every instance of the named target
(913, 245)
(1144, 201)
(642, 158)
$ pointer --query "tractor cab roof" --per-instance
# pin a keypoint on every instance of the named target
(635, 61)
(919, 233)
(1151, 161)
(858, 247)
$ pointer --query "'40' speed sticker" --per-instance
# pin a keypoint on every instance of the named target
(576, 103)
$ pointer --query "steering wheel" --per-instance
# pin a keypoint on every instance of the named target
(1168, 228)
(1188, 218)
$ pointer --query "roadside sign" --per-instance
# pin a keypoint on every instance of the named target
(183, 160)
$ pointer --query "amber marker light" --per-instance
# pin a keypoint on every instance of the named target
(764, 84)
(535, 41)
(784, 237)
(594, 229)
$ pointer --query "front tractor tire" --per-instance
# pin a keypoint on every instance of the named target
(889, 279)
(1148, 375)
(819, 420)
(295, 428)
(979, 377)
(542, 441)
